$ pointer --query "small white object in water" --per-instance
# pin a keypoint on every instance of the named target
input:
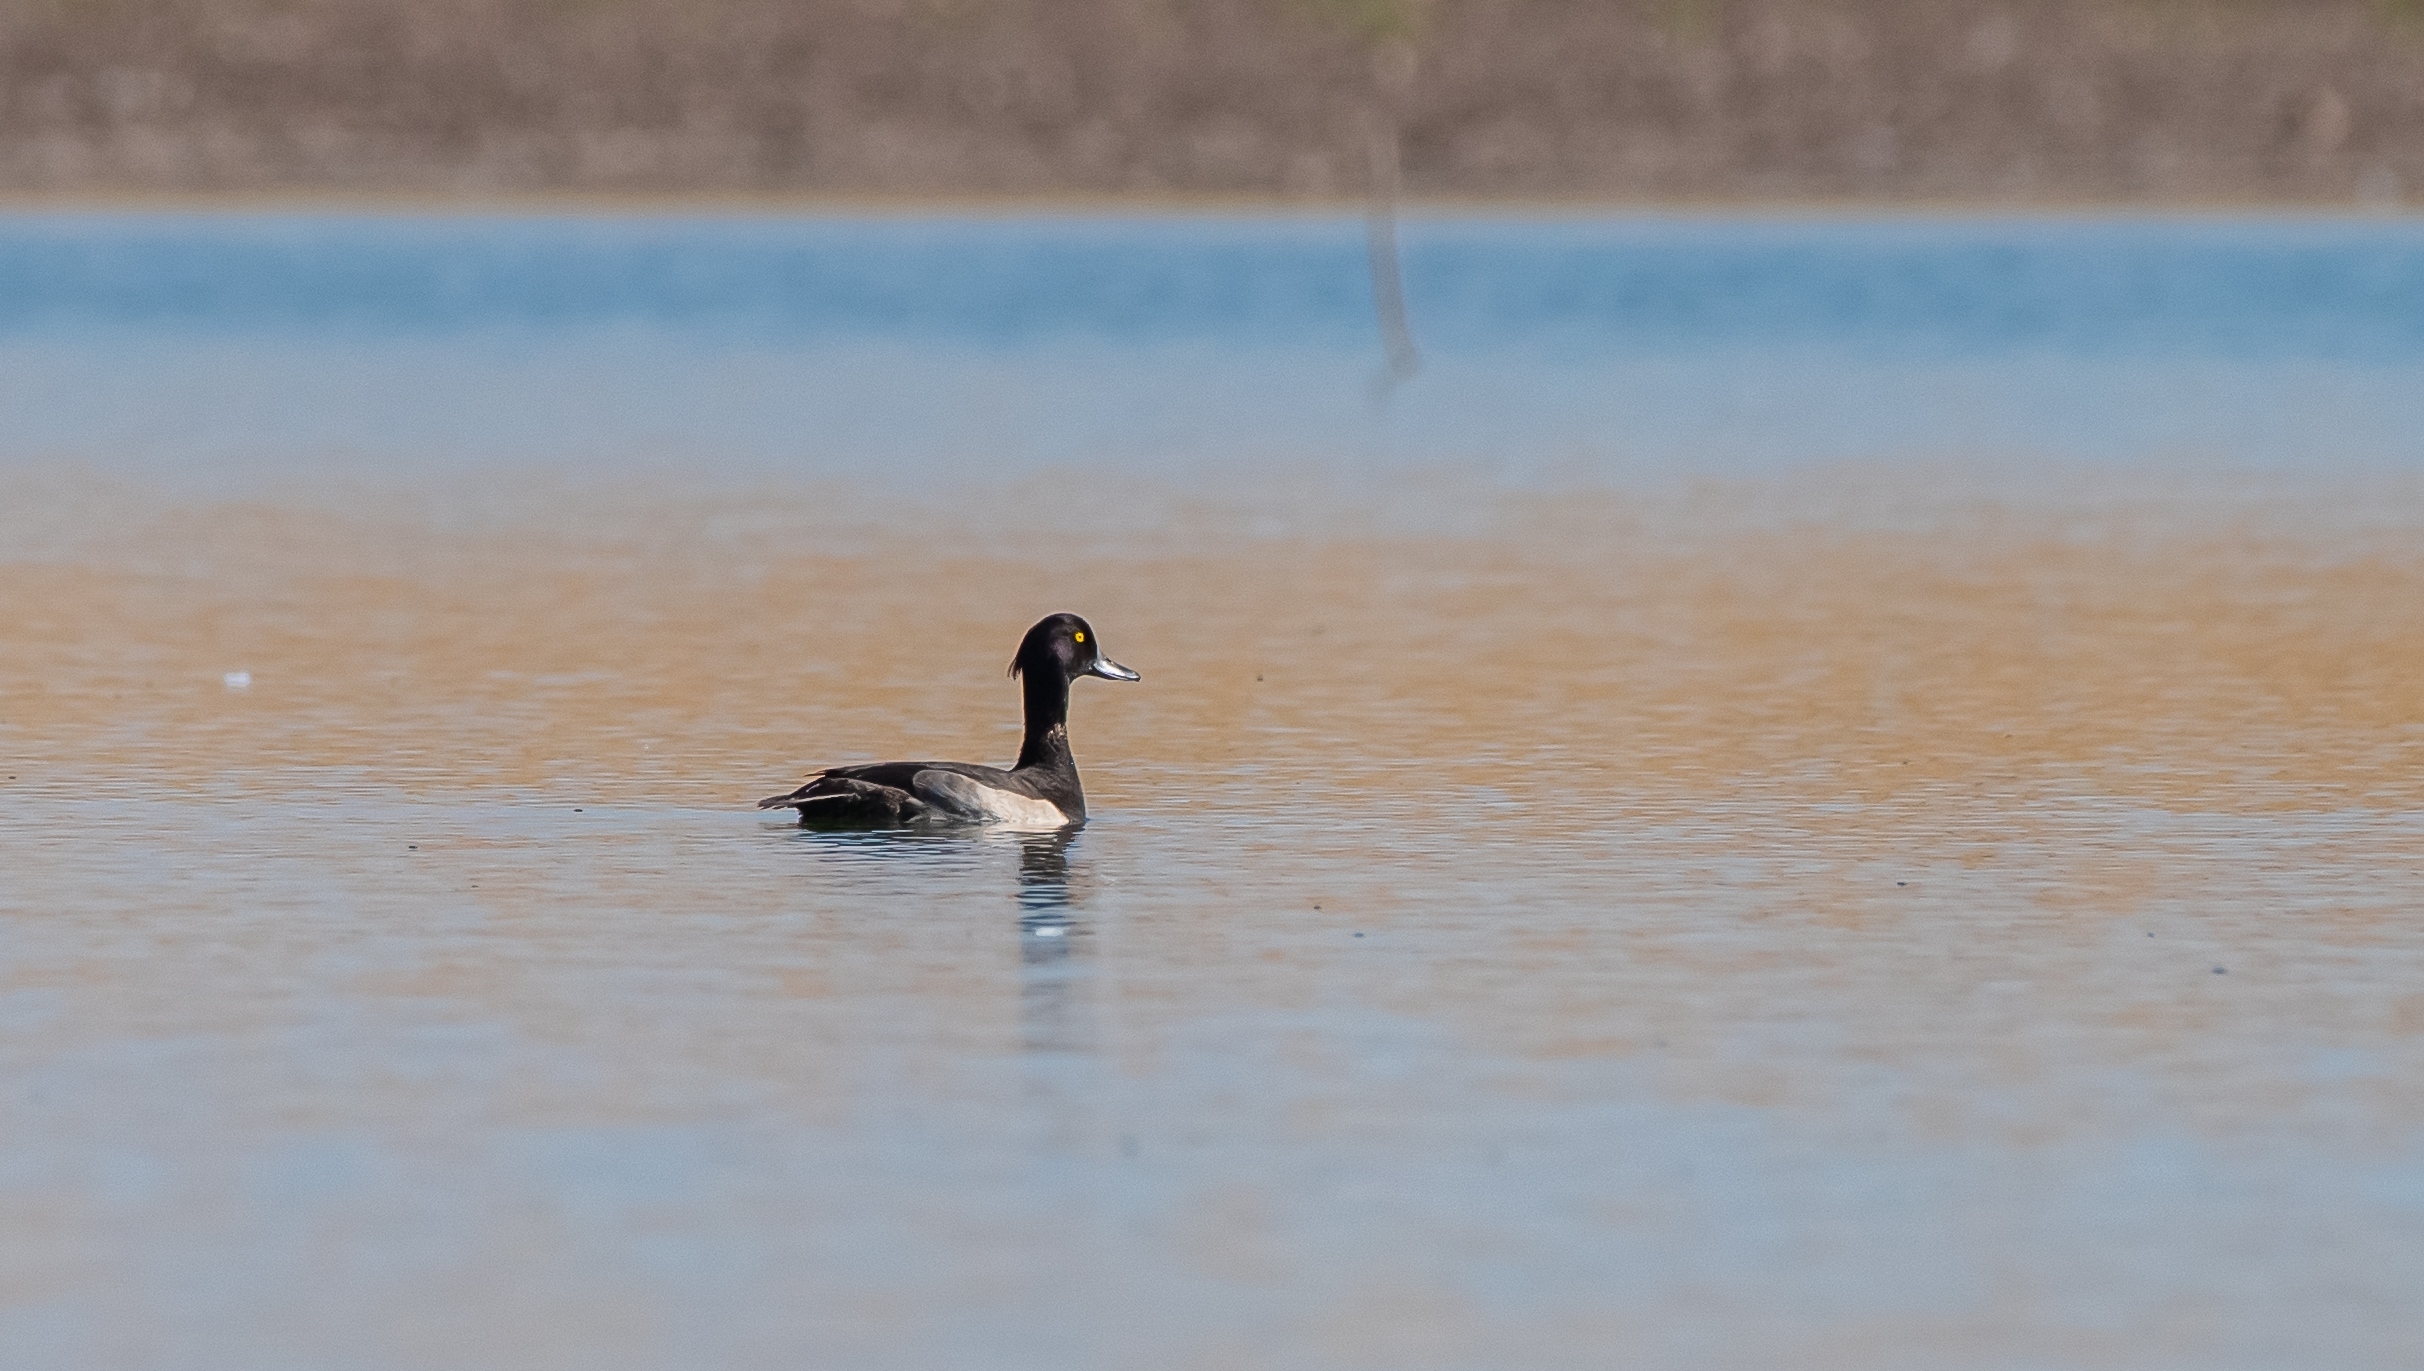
(238, 680)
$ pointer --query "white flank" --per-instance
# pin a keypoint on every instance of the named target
(966, 799)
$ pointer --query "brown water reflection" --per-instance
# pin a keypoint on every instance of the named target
(1870, 918)
(1588, 646)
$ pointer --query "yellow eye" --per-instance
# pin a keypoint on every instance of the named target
(1080, 636)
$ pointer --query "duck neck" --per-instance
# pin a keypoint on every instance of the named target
(1047, 743)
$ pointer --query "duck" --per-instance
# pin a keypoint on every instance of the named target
(1040, 792)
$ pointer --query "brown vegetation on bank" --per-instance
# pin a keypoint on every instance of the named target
(2009, 100)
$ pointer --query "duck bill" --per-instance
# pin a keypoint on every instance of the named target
(1111, 671)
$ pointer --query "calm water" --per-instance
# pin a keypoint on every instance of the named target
(1806, 794)
(1181, 345)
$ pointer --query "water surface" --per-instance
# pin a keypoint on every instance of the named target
(1615, 905)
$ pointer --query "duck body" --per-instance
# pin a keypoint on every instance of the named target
(1040, 792)
(895, 794)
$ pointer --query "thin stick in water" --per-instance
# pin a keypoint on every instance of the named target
(1388, 280)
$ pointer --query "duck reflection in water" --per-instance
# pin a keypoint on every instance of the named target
(1052, 939)
(1049, 938)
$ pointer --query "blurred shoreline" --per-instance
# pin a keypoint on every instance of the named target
(1156, 205)
(1722, 103)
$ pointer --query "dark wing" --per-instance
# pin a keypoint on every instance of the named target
(878, 793)
(896, 792)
